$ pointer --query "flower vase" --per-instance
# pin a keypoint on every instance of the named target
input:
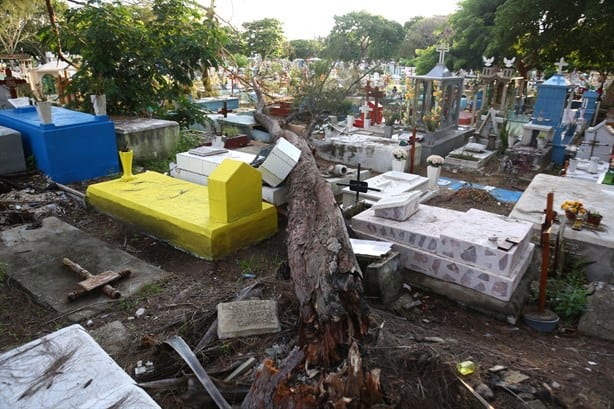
(571, 216)
(43, 108)
(433, 173)
(388, 131)
(593, 219)
(125, 157)
(398, 165)
(99, 102)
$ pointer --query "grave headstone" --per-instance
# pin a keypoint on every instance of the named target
(11, 151)
(245, 318)
(597, 317)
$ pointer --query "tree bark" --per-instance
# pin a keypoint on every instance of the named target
(328, 284)
(327, 277)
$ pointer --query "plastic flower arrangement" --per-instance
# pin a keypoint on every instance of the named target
(573, 206)
(435, 161)
(431, 119)
(399, 154)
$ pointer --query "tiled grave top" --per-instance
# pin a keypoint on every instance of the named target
(480, 226)
(394, 182)
(453, 234)
(390, 183)
(207, 151)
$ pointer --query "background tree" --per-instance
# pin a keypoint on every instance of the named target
(473, 27)
(21, 21)
(142, 58)
(235, 43)
(539, 32)
(359, 35)
(305, 49)
(420, 33)
(592, 36)
(264, 37)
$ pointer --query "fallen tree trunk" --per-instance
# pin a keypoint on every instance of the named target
(327, 277)
(328, 284)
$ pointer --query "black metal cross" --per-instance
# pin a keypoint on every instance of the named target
(358, 186)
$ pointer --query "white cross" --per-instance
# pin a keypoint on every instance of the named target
(561, 64)
(442, 48)
(365, 109)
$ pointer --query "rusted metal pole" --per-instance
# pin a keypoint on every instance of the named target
(545, 242)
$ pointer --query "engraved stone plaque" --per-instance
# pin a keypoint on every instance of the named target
(244, 318)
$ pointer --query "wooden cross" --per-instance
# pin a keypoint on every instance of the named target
(442, 48)
(91, 282)
(11, 82)
(561, 64)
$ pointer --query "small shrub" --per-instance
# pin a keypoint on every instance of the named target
(566, 294)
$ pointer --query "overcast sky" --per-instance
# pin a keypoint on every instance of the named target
(309, 19)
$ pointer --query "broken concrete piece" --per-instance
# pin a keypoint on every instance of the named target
(280, 162)
(245, 318)
(596, 320)
(383, 279)
(513, 377)
(398, 207)
(497, 368)
(112, 337)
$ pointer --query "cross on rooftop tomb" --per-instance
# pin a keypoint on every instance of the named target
(560, 65)
(442, 48)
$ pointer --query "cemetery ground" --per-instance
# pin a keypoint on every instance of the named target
(416, 342)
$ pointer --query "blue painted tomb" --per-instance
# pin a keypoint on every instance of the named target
(76, 146)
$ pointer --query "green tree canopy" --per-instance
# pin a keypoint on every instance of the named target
(141, 57)
(264, 37)
(473, 33)
(21, 21)
(542, 31)
(420, 33)
(305, 48)
(360, 35)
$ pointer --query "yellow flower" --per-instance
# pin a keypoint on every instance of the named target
(573, 206)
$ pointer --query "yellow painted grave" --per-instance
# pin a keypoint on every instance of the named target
(210, 222)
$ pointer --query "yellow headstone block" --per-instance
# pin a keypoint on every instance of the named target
(235, 191)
